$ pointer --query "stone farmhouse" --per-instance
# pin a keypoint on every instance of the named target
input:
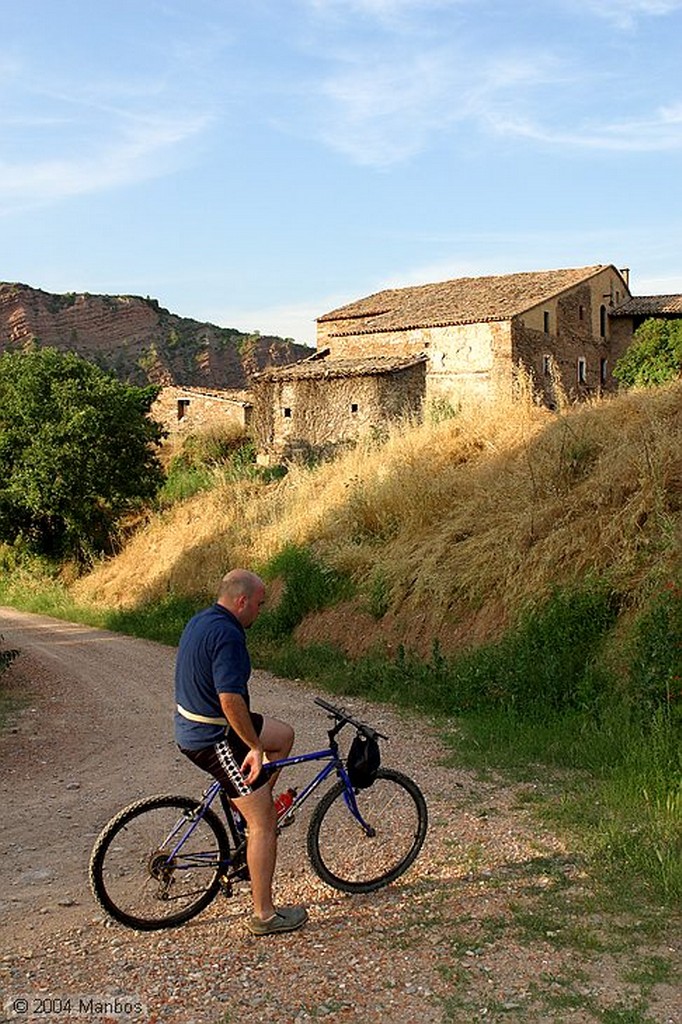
(318, 404)
(398, 351)
(185, 410)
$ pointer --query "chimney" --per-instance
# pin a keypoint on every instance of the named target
(625, 272)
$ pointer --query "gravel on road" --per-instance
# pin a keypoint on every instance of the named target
(461, 937)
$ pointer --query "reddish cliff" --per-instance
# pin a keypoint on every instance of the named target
(138, 339)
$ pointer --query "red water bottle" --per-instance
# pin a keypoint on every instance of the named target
(284, 801)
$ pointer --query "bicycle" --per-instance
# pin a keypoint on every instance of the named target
(162, 860)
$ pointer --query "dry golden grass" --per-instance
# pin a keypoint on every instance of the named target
(598, 490)
(495, 505)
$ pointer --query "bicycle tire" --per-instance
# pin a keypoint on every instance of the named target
(345, 857)
(129, 873)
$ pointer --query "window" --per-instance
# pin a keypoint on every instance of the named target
(546, 365)
(183, 406)
(602, 321)
(603, 370)
(354, 407)
(286, 413)
(582, 370)
(581, 312)
(545, 319)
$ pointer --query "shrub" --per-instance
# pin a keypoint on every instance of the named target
(656, 655)
(655, 355)
(308, 585)
(548, 663)
(77, 452)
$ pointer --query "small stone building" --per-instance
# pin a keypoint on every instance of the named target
(474, 331)
(189, 410)
(321, 404)
(630, 315)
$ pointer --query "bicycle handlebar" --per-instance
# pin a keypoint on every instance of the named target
(341, 715)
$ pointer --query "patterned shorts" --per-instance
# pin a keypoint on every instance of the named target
(223, 761)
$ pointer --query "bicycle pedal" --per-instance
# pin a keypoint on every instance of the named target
(226, 886)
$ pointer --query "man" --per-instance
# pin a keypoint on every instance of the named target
(216, 729)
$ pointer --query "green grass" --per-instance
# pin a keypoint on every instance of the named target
(308, 585)
(183, 481)
(163, 621)
(211, 460)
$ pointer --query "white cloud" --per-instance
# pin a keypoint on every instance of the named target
(662, 132)
(624, 14)
(383, 112)
(141, 149)
(393, 93)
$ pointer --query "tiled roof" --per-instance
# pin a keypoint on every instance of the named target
(461, 301)
(650, 305)
(220, 395)
(323, 369)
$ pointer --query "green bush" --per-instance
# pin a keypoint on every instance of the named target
(655, 355)
(308, 585)
(209, 459)
(548, 663)
(656, 653)
(77, 453)
(183, 481)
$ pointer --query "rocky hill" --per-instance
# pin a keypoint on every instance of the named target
(137, 339)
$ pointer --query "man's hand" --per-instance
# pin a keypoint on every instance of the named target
(252, 764)
(237, 714)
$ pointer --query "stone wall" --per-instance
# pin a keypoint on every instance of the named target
(299, 416)
(188, 411)
(572, 341)
(622, 333)
(465, 360)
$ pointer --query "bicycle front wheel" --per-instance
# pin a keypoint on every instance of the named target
(138, 878)
(345, 856)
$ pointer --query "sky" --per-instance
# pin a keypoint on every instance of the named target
(257, 163)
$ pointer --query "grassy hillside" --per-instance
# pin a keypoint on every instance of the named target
(447, 530)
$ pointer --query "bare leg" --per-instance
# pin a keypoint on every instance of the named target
(277, 739)
(261, 849)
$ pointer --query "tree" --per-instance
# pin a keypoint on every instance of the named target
(655, 355)
(77, 452)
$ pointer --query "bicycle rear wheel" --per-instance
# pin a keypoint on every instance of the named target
(133, 875)
(342, 853)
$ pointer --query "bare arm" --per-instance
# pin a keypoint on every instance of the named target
(237, 714)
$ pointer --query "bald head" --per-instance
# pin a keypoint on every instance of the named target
(243, 594)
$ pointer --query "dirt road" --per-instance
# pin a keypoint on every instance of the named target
(446, 943)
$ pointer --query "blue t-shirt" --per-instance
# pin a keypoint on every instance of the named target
(212, 659)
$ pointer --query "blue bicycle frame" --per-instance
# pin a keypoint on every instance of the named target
(236, 822)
